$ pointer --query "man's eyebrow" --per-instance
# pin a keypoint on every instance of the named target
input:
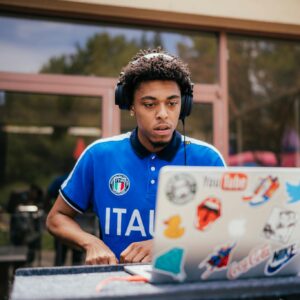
(173, 97)
(148, 98)
(153, 98)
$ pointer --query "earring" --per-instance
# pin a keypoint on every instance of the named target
(131, 113)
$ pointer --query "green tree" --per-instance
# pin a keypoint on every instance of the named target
(102, 55)
(263, 82)
(201, 57)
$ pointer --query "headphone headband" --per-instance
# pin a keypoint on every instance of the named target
(151, 55)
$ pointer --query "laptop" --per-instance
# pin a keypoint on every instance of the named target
(217, 223)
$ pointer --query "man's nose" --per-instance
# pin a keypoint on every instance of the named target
(162, 111)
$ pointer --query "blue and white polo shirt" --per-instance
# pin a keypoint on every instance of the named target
(118, 177)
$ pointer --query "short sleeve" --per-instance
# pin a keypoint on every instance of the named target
(77, 188)
(220, 162)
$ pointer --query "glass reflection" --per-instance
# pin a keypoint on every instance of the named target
(40, 134)
(62, 47)
(264, 85)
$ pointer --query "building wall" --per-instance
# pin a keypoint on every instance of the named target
(267, 17)
(279, 11)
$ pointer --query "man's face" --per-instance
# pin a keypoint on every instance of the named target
(156, 106)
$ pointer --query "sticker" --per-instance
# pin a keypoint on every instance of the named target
(255, 257)
(234, 181)
(293, 192)
(208, 212)
(237, 228)
(174, 229)
(263, 192)
(171, 263)
(181, 188)
(217, 261)
(211, 182)
(280, 225)
(119, 184)
(280, 258)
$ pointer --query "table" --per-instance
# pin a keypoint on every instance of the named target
(10, 257)
(80, 282)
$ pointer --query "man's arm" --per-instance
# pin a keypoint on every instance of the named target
(60, 222)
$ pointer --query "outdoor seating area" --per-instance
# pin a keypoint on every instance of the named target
(25, 243)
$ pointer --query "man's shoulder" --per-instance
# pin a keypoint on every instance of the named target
(109, 141)
(199, 144)
(201, 149)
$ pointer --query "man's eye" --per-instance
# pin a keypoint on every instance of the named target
(173, 103)
(148, 105)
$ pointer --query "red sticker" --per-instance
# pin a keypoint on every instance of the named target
(208, 212)
(255, 257)
(234, 181)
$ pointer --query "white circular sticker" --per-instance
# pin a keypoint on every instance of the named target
(181, 188)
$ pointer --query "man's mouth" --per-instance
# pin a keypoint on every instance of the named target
(162, 128)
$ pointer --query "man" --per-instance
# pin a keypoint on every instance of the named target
(118, 175)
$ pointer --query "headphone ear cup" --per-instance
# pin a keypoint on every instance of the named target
(120, 98)
(186, 106)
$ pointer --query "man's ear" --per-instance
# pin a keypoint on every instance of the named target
(131, 111)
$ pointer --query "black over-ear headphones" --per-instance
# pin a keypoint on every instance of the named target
(123, 101)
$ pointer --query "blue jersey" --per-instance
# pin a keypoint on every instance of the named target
(118, 177)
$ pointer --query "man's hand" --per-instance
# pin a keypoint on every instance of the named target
(60, 222)
(137, 252)
(98, 253)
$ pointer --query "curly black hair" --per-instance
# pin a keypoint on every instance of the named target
(158, 66)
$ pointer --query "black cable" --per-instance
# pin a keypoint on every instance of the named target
(184, 144)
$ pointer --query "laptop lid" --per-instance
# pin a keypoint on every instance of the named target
(226, 223)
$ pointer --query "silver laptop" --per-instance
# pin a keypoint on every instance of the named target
(225, 223)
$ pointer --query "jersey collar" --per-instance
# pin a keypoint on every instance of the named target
(167, 153)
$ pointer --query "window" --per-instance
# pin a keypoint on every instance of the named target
(57, 47)
(264, 95)
(42, 136)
